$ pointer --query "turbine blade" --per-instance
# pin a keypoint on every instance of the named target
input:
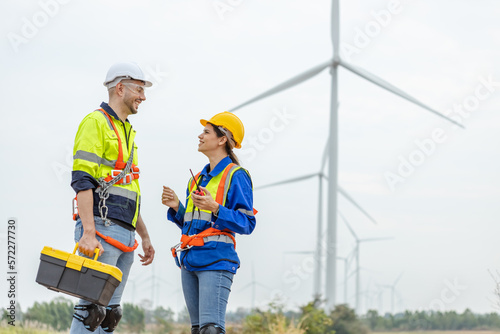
(262, 285)
(245, 286)
(350, 199)
(296, 179)
(376, 239)
(397, 280)
(384, 84)
(287, 84)
(348, 225)
(300, 252)
(335, 22)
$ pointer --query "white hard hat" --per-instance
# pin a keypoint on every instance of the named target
(121, 71)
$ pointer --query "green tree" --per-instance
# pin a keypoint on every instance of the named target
(133, 318)
(272, 321)
(163, 319)
(57, 314)
(345, 321)
(314, 319)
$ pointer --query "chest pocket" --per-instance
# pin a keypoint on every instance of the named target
(110, 146)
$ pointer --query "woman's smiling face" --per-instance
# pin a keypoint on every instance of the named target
(209, 140)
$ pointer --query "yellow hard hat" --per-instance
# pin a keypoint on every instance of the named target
(229, 121)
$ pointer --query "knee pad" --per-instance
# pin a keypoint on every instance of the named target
(211, 329)
(113, 316)
(195, 330)
(95, 316)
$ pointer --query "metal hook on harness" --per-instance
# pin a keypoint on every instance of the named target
(177, 249)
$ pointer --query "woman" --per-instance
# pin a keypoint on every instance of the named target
(219, 204)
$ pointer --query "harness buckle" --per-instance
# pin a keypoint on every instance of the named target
(177, 248)
(127, 178)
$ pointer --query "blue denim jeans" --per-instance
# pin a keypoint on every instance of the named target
(206, 294)
(111, 255)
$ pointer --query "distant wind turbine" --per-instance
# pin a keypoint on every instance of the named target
(358, 242)
(346, 261)
(393, 291)
(333, 64)
(253, 284)
(319, 228)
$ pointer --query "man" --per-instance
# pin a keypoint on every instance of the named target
(105, 178)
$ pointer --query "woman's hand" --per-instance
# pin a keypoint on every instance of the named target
(205, 202)
(169, 198)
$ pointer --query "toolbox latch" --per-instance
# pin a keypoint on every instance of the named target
(75, 262)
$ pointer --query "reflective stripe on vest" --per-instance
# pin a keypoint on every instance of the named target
(218, 187)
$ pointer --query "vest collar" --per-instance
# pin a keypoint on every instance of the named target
(111, 112)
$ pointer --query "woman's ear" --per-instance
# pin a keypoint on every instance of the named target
(222, 140)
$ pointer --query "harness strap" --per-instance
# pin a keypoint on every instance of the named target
(188, 241)
(199, 239)
(120, 164)
(117, 244)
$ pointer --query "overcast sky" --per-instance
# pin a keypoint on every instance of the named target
(432, 187)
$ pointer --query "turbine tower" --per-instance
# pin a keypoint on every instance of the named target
(333, 65)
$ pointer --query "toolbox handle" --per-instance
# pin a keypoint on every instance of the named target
(96, 251)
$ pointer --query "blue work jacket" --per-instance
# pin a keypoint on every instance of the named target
(236, 216)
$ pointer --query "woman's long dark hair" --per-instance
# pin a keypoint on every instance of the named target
(228, 148)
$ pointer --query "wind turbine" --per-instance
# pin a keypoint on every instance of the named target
(156, 282)
(393, 291)
(346, 260)
(253, 284)
(319, 230)
(333, 65)
(358, 242)
(346, 271)
(319, 236)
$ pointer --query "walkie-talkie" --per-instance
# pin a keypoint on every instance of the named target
(198, 190)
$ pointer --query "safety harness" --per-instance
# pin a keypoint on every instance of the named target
(124, 173)
(210, 234)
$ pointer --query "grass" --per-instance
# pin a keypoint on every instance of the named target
(17, 329)
(441, 332)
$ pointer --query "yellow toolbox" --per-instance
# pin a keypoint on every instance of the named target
(77, 275)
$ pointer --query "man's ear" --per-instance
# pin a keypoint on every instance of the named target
(119, 89)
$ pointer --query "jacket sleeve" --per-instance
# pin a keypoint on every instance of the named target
(237, 215)
(178, 217)
(87, 155)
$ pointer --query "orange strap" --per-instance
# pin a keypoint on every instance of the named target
(219, 197)
(197, 239)
(117, 244)
(109, 240)
(220, 191)
(120, 164)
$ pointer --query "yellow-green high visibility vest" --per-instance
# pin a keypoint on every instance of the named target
(96, 152)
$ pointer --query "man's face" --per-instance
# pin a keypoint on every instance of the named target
(134, 94)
